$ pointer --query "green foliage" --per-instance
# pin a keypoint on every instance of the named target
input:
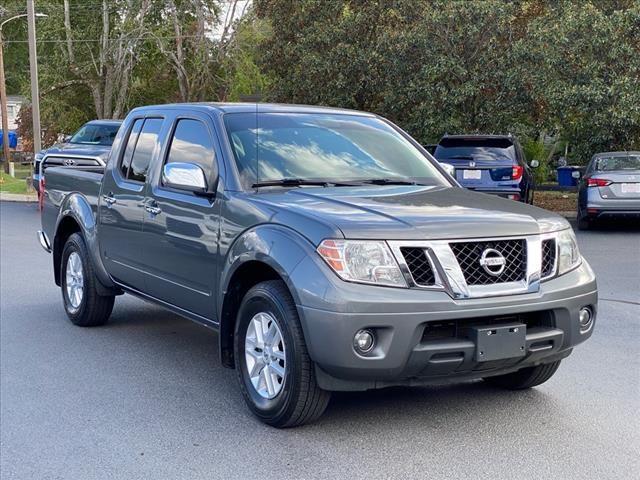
(433, 66)
(247, 79)
(535, 150)
(452, 66)
(569, 67)
(588, 74)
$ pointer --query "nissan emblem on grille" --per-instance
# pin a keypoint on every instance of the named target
(68, 162)
(493, 262)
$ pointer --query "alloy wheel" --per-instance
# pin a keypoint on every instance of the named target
(74, 280)
(265, 355)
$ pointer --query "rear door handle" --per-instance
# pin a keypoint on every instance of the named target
(109, 199)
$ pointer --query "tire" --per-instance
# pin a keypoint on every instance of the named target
(84, 307)
(524, 378)
(583, 223)
(294, 397)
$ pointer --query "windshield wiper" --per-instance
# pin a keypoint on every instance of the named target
(299, 182)
(388, 181)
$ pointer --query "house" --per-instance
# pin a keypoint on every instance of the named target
(14, 103)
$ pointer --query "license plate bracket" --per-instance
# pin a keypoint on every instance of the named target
(472, 174)
(630, 187)
(498, 342)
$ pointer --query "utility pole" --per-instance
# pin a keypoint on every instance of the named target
(33, 67)
(3, 108)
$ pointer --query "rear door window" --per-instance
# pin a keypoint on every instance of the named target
(131, 145)
(143, 151)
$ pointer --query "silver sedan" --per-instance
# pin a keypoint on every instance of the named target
(610, 188)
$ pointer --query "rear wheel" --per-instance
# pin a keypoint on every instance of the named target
(82, 303)
(525, 377)
(583, 222)
(276, 375)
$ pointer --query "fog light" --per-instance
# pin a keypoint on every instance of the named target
(586, 319)
(364, 341)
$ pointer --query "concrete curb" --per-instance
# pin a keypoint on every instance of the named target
(568, 215)
(18, 197)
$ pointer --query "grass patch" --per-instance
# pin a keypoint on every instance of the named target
(12, 185)
(556, 201)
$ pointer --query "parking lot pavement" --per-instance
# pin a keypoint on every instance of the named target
(145, 397)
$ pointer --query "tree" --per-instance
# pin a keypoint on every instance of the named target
(105, 66)
(526, 66)
(587, 74)
(185, 43)
(433, 66)
(245, 77)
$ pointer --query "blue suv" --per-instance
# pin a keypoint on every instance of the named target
(488, 163)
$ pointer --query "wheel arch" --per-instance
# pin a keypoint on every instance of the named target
(266, 252)
(76, 215)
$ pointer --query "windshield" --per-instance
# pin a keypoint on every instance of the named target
(269, 147)
(627, 162)
(475, 149)
(95, 135)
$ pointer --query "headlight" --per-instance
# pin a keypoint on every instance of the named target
(568, 254)
(362, 261)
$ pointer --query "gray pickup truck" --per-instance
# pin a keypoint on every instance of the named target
(328, 248)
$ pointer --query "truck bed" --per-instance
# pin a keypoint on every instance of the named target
(60, 182)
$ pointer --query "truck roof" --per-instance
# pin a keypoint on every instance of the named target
(104, 121)
(253, 107)
(478, 136)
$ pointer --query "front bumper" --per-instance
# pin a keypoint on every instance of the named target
(406, 354)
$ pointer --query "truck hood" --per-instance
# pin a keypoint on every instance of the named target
(101, 151)
(411, 212)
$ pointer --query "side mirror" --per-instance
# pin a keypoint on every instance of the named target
(450, 169)
(534, 163)
(66, 139)
(184, 176)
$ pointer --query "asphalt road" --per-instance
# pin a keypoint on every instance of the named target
(145, 397)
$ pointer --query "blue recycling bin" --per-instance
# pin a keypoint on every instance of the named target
(565, 176)
(13, 139)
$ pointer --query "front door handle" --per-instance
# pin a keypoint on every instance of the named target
(153, 210)
(109, 199)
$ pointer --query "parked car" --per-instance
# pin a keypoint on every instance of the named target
(609, 188)
(88, 146)
(488, 163)
(327, 248)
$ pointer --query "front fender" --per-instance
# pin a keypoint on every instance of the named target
(278, 246)
(77, 207)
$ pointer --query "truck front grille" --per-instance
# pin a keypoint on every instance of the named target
(469, 254)
(548, 257)
(419, 266)
(68, 161)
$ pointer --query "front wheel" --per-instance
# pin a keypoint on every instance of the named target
(84, 306)
(276, 375)
(524, 378)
